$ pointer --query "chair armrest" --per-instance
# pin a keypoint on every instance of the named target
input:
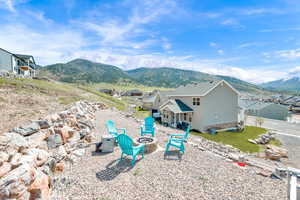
(122, 129)
(177, 135)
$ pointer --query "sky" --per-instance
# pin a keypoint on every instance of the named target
(253, 40)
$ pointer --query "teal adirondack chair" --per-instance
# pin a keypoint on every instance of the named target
(148, 127)
(127, 147)
(111, 127)
(177, 140)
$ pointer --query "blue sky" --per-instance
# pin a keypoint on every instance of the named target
(253, 40)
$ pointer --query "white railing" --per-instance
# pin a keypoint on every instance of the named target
(293, 188)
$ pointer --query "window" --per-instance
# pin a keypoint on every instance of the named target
(184, 116)
(190, 119)
(196, 101)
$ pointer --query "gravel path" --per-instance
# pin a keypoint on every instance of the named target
(198, 175)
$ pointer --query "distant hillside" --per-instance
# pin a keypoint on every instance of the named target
(291, 84)
(167, 77)
(81, 70)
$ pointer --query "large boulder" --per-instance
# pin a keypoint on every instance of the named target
(40, 189)
(15, 183)
(275, 153)
(19, 159)
(54, 141)
(27, 129)
(43, 124)
(38, 139)
(65, 132)
(41, 156)
(4, 168)
(16, 140)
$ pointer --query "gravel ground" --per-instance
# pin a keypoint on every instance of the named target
(197, 175)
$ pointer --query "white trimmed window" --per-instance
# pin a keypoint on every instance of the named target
(184, 116)
(196, 101)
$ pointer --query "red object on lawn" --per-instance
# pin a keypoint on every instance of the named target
(241, 164)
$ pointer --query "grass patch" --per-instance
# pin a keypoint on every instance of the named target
(275, 142)
(68, 100)
(237, 139)
(109, 100)
(142, 114)
(124, 86)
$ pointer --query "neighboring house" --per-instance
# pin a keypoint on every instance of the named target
(17, 64)
(153, 101)
(110, 92)
(205, 105)
(132, 93)
(266, 110)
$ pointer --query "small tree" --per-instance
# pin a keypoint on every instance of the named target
(259, 121)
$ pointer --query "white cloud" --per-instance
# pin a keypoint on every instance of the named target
(8, 4)
(230, 22)
(289, 54)
(220, 52)
(260, 11)
(294, 72)
(118, 32)
(212, 44)
(245, 45)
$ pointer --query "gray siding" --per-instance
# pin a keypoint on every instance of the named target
(5, 61)
(218, 107)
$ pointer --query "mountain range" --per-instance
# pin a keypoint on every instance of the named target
(80, 70)
(288, 84)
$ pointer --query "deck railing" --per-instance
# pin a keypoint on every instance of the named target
(293, 188)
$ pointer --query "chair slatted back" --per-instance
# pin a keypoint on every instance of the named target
(125, 143)
(111, 126)
(187, 133)
(149, 123)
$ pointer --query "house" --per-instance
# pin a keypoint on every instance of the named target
(206, 105)
(110, 92)
(17, 64)
(154, 100)
(132, 93)
(266, 110)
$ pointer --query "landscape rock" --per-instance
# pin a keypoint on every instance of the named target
(17, 140)
(15, 183)
(27, 129)
(43, 124)
(39, 189)
(75, 138)
(79, 152)
(65, 133)
(4, 168)
(275, 153)
(37, 139)
(3, 157)
(59, 167)
(54, 141)
(41, 156)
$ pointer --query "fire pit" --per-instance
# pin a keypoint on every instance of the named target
(149, 142)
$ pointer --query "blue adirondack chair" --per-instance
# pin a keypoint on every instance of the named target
(111, 127)
(148, 127)
(127, 147)
(177, 140)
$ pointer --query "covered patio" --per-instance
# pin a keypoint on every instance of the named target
(174, 112)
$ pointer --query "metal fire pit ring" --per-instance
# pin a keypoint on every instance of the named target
(149, 142)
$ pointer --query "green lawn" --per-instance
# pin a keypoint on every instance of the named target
(237, 139)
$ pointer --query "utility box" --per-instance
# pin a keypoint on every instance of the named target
(108, 143)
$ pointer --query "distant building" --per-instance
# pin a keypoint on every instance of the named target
(204, 105)
(265, 110)
(17, 64)
(134, 92)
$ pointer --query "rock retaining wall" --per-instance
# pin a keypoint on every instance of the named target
(31, 154)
